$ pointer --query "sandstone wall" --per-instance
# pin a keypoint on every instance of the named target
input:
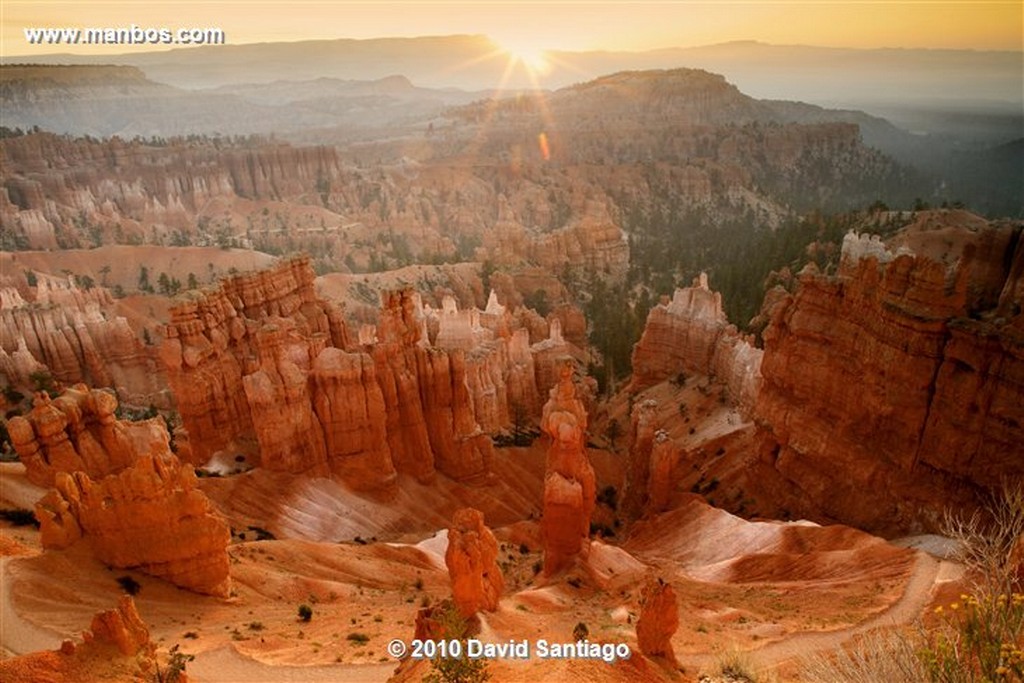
(889, 378)
(691, 334)
(263, 359)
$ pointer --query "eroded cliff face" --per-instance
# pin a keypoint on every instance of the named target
(690, 334)
(54, 184)
(902, 375)
(71, 334)
(235, 355)
(149, 516)
(78, 432)
(263, 360)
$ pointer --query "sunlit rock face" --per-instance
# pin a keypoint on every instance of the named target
(149, 516)
(472, 561)
(78, 432)
(569, 484)
(235, 355)
(690, 334)
(902, 375)
(262, 358)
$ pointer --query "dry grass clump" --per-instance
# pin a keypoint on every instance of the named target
(736, 666)
(881, 656)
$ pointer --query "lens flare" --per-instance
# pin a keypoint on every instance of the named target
(531, 57)
(542, 142)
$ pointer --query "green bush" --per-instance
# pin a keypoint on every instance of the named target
(305, 612)
(455, 669)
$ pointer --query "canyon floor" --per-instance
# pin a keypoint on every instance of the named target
(774, 592)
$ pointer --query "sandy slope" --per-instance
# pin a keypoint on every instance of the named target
(776, 590)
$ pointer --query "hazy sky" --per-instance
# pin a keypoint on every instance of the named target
(978, 24)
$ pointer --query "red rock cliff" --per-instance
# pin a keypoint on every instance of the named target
(902, 376)
(691, 334)
(390, 404)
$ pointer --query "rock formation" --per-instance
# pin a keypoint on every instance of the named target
(661, 479)
(569, 482)
(350, 407)
(78, 432)
(659, 619)
(472, 560)
(361, 409)
(150, 516)
(117, 647)
(691, 334)
(71, 334)
(638, 463)
(121, 628)
(234, 356)
(904, 373)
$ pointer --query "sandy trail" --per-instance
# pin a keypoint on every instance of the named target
(17, 636)
(904, 611)
(225, 664)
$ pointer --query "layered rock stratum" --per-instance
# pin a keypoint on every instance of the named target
(691, 334)
(392, 398)
(904, 372)
(72, 335)
(900, 374)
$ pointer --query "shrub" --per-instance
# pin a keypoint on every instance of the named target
(262, 534)
(20, 517)
(982, 634)
(305, 612)
(609, 496)
(130, 585)
(176, 662)
(735, 666)
(580, 631)
(882, 655)
(460, 669)
(358, 637)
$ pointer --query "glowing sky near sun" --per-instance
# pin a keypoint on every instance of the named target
(533, 26)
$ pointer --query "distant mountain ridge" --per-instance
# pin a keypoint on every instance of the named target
(846, 77)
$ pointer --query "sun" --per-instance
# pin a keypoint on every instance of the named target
(530, 56)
